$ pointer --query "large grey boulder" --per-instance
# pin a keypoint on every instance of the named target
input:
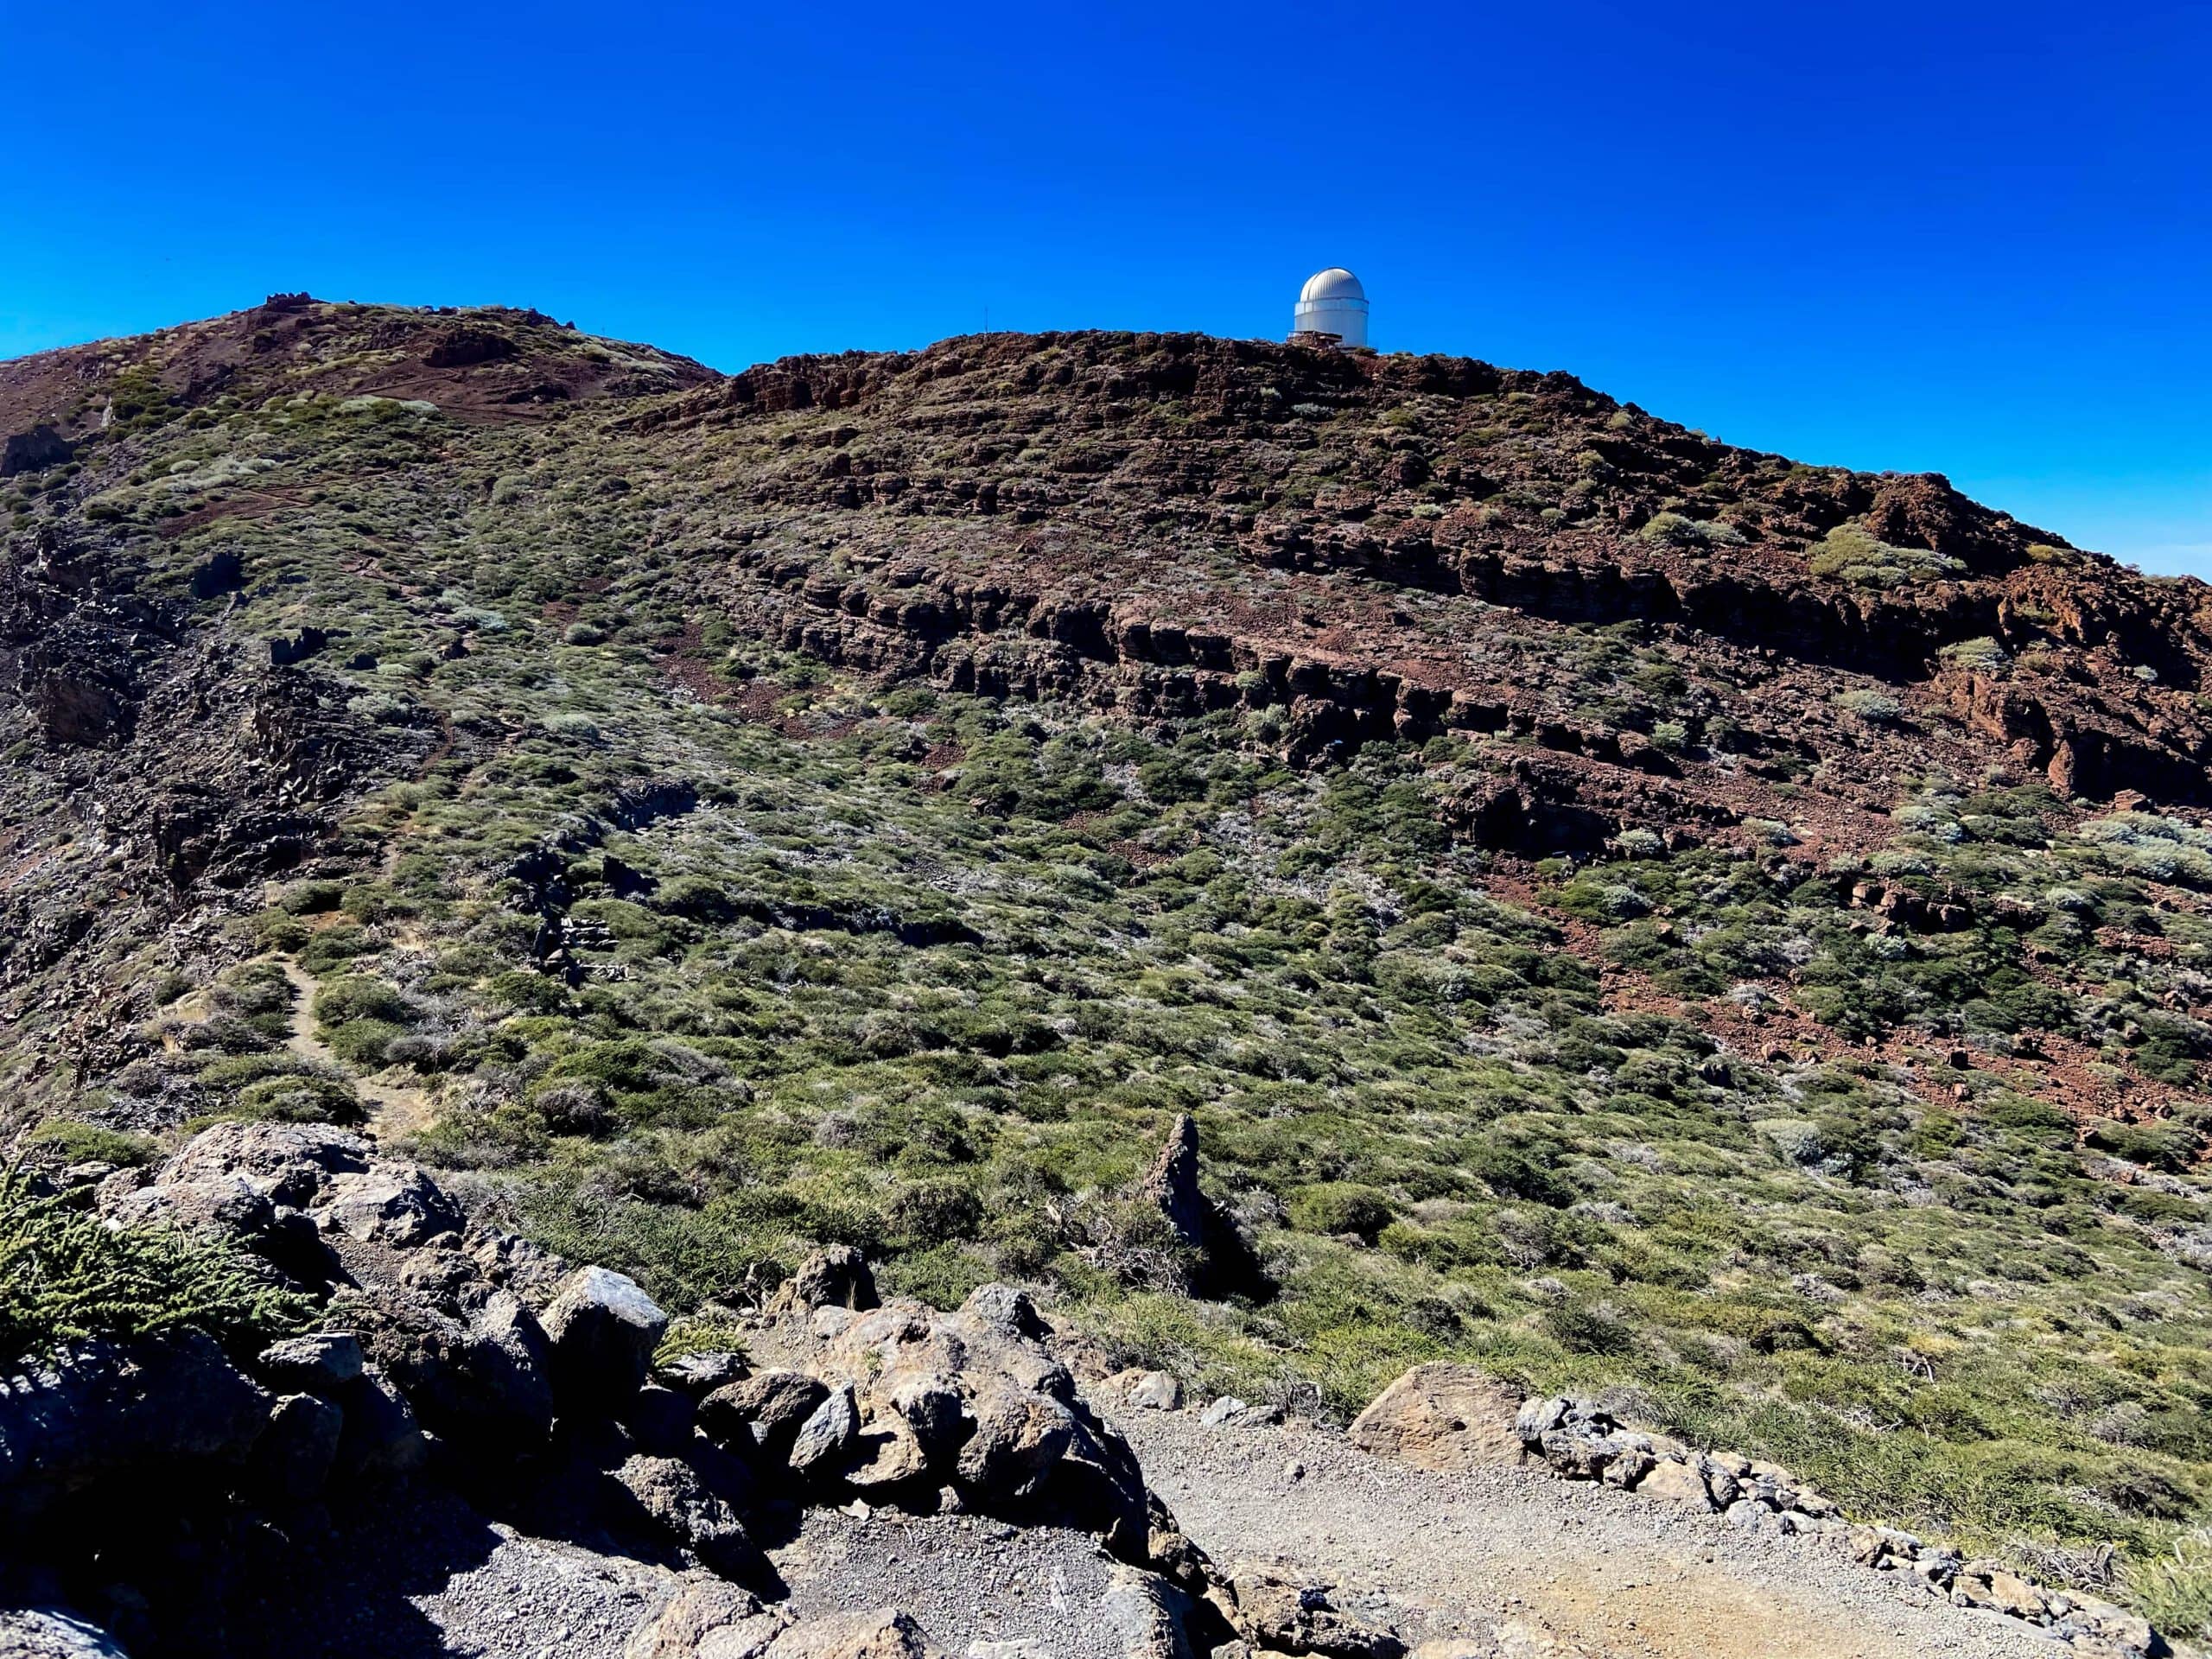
(1445, 1417)
(293, 1459)
(604, 1329)
(1146, 1614)
(698, 1375)
(393, 1205)
(105, 1412)
(321, 1364)
(761, 1415)
(482, 1382)
(288, 1163)
(828, 1430)
(223, 1204)
(929, 1404)
(381, 1439)
(670, 1494)
(1096, 1486)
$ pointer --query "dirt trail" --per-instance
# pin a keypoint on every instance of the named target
(395, 1108)
(1522, 1565)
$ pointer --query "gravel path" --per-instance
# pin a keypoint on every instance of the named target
(1524, 1564)
(964, 1579)
(1515, 1563)
(427, 1576)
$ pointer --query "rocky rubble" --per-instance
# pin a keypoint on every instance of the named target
(450, 1350)
(1581, 1440)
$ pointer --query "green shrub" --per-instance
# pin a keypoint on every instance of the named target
(66, 1276)
(2173, 1589)
(72, 1140)
(697, 896)
(2155, 848)
(1335, 1207)
(312, 898)
(361, 996)
(1589, 1328)
(364, 1043)
(1877, 708)
(299, 1097)
(1851, 553)
(1673, 529)
(1982, 654)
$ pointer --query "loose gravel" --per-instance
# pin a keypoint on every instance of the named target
(1509, 1561)
(1516, 1562)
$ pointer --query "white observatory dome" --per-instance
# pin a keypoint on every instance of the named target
(1332, 302)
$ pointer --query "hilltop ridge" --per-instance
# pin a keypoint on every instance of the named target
(1623, 911)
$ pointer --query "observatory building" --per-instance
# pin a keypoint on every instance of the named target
(1332, 303)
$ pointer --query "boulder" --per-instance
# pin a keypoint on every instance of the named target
(1720, 1481)
(1145, 1613)
(604, 1329)
(1220, 1260)
(481, 1382)
(532, 1272)
(884, 1452)
(883, 1634)
(761, 1415)
(220, 1203)
(103, 1411)
(1146, 1390)
(661, 1419)
(1171, 1185)
(1987, 1584)
(287, 1163)
(510, 1358)
(321, 1364)
(1230, 1412)
(293, 1457)
(381, 1440)
(2097, 1630)
(1677, 1482)
(668, 1493)
(836, 1277)
(1287, 1615)
(1004, 1312)
(709, 1619)
(700, 1374)
(1017, 1438)
(829, 1429)
(31, 451)
(929, 1404)
(1627, 1468)
(394, 1205)
(1445, 1417)
(1097, 1486)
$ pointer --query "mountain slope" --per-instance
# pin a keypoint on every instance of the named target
(1622, 910)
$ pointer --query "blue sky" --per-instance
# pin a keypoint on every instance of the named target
(1969, 238)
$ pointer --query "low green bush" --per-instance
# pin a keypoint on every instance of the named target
(72, 1140)
(66, 1276)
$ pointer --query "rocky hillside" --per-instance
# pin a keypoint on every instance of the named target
(1625, 912)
